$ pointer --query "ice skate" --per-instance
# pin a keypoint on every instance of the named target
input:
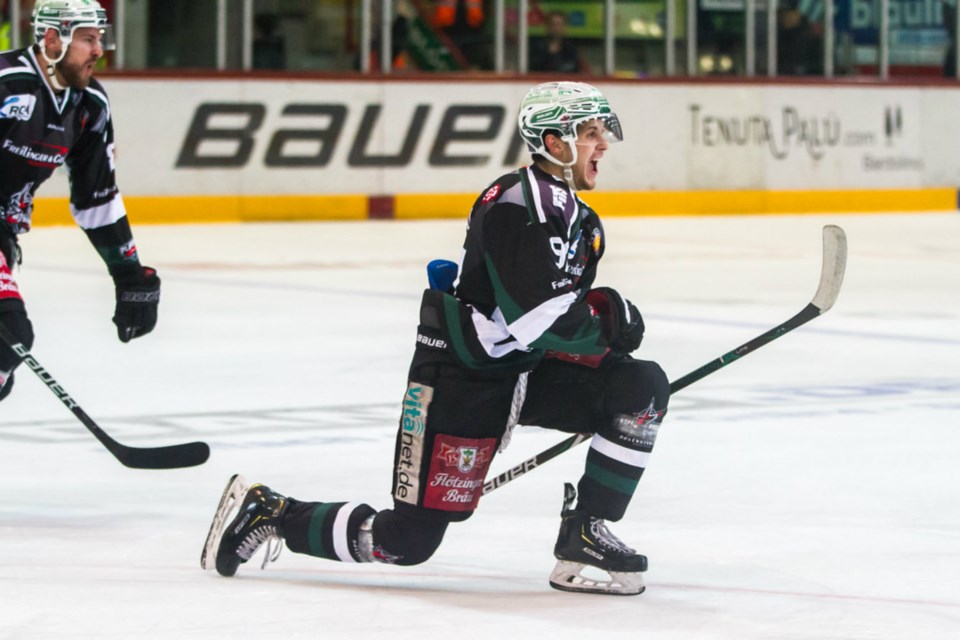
(260, 511)
(585, 543)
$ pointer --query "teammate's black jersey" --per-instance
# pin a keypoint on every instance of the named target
(530, 255)
(39, 132)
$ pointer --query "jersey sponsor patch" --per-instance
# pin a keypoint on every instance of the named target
(8, 286)
(48, 156)
(413, 425)
(491, 194)
(458, 467)
(19, 107)
(595, 240)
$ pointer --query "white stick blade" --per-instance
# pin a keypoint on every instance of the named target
(834, 266)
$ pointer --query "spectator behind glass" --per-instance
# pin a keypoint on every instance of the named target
(399, 29)
(465, 23)
(555, 52)
(799, 44)
(269, 50)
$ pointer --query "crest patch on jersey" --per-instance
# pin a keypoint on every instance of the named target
(19, 107)
(491, 194)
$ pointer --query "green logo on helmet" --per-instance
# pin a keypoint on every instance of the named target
(562, 107)
(66, 16)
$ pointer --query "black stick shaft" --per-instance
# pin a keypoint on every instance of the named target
(831, 278)
(809, 312)
(176, 456)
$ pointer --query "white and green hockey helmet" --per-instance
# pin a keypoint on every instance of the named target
(560, 107)
(66, 16)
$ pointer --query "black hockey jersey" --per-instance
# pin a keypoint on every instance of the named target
(530, 255)
(41, 131)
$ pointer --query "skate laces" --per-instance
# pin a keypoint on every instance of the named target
(274, 547)
(256, 538)
(603, 535)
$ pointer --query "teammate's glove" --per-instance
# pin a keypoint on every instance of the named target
(138, 294)
(621, 320)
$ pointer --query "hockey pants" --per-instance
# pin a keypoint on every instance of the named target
(450, 429)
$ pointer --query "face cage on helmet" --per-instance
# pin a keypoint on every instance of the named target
(108, 41)
(567, 131)
(612, 132)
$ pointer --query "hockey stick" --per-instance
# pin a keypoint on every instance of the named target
(175, 456)
(831, 277)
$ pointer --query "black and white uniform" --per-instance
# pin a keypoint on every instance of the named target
(530, 255)
(39, 132)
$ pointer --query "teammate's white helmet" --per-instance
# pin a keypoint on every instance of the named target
(561, 107)
(66, 16)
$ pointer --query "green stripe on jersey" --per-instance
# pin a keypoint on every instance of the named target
(510, 309)
(451, 312)
(586, 341)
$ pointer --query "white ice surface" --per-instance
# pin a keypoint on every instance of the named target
(811, 491)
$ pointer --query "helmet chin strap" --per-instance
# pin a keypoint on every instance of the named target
(567, 166)
(568, 177)
(51, 67)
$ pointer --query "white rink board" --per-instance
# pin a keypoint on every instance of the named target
(678, 137)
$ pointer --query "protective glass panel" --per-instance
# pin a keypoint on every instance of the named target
(640, 32)
(799, 37)
(921, 34)
(566, 37)
(721, 28)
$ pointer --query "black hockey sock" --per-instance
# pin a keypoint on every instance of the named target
(325, 529)
(408, 535)
(617, 458)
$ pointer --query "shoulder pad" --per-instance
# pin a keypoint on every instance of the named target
(495, 191)
(14, 67)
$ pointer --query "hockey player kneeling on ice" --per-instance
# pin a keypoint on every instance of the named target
(520, 336)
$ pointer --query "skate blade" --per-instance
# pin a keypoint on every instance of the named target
(232, 496)
(567, 576)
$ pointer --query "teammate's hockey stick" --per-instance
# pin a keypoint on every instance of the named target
(831, 277)
(175, 456)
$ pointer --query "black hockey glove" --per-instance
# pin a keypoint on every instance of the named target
(138, 295)
(621, 320)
